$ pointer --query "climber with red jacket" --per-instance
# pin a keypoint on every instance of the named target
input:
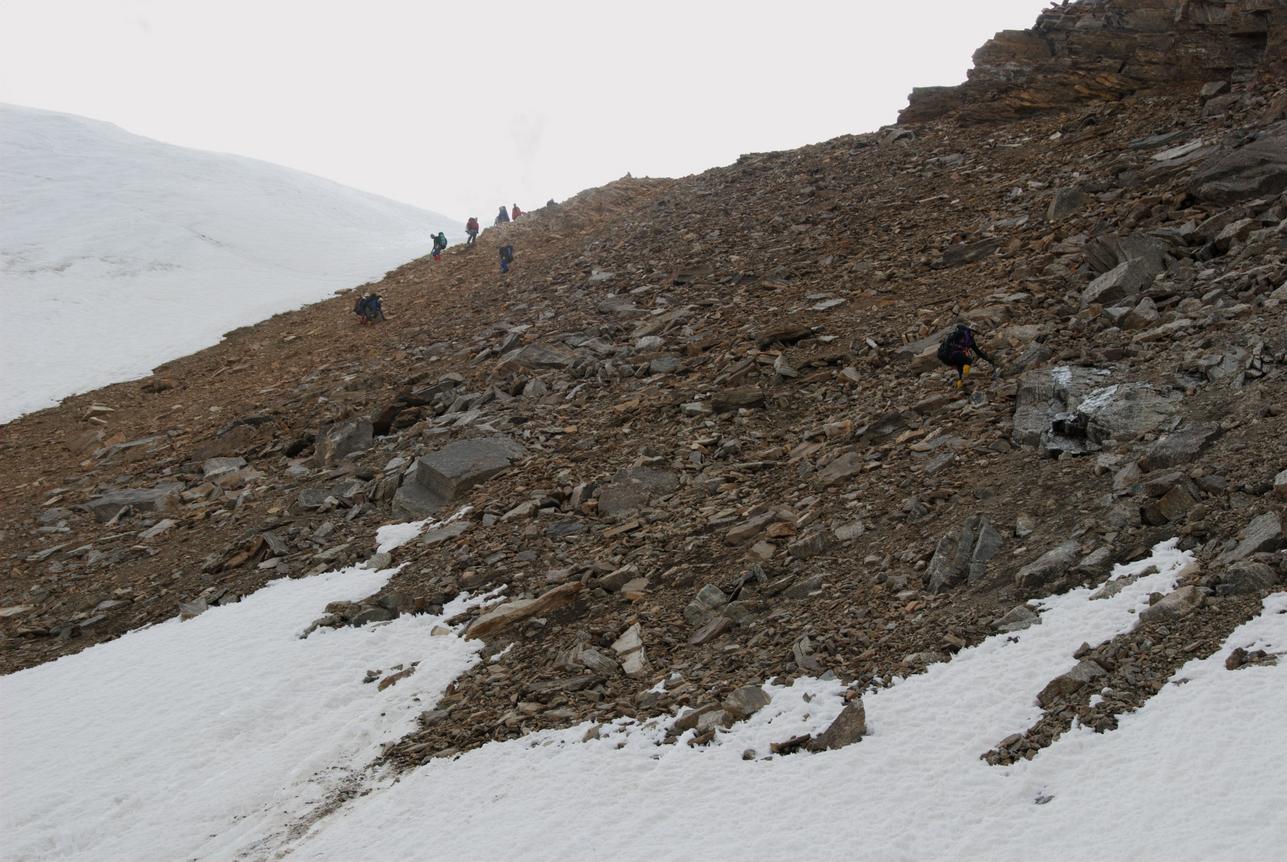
(471, 230)
(517, 212)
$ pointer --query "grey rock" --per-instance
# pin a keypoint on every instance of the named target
(963, 553)
(1017, 619)
(1256, 170)
(809, 546)
(1142, 316)
(1181, 447)
(1174, 605)
(1047, 570)
(537, 356)
(849, 531)
(664, 365)
(710, 630)
(1172, 506)
(1264, 533)
(748, 530)
(840, 469)
(621, 499)
(634, 488)
(1097, 564)
(157, 529)
(630, 650)
(1064, 203)
(1046, 393)
(213, 468)
(1245, 577)
(886, 426)
(162, 498)
(1211, 89)
(810, 586)
(372, 615)
(445, 475)
(341, 439)
(379, 561)
(1123, 412)
(709, 599)
(969, 252)
(1121, 282)
(744, 702)
(445, 533)
(196, 607)
(1031, 356)
(1104, 253)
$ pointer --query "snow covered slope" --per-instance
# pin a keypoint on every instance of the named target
(118, 253)
(230, 737)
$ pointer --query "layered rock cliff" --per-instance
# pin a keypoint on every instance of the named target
(1102, 50)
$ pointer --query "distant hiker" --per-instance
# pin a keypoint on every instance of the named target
(959, 350)
(471, 229)
(503, 216)
(368, 308)
(506, 257)
(517, 212)
(439, 245)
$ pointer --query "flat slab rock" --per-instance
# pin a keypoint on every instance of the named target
(1181, 447)
(443, 476)
(520, 609)
(162, 498)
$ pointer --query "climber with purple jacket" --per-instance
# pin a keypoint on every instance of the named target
(959, 350)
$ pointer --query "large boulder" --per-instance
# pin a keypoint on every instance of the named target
(1045, 394)
(162, 498)
(1066, 409)
(341, 439)
(963, 554)
(1123, 412)
(1181, 447)
(1264, 533)
(1256, 170)
(1048, 570)
(443, 476)
(1123, 281)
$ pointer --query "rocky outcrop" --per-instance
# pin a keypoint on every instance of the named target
(1103, 50)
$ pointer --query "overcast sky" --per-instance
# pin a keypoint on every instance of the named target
(462, 106)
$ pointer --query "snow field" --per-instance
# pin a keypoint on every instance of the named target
(227, 736)
(914, 789)
(205, 738)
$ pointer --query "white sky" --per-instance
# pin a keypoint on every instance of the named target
(462, 106)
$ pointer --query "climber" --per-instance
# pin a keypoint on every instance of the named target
(471, 229)
(959, 350)
(368, 308)
(439, 245)
(506, 257)
(503, 216)
(517, 212)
